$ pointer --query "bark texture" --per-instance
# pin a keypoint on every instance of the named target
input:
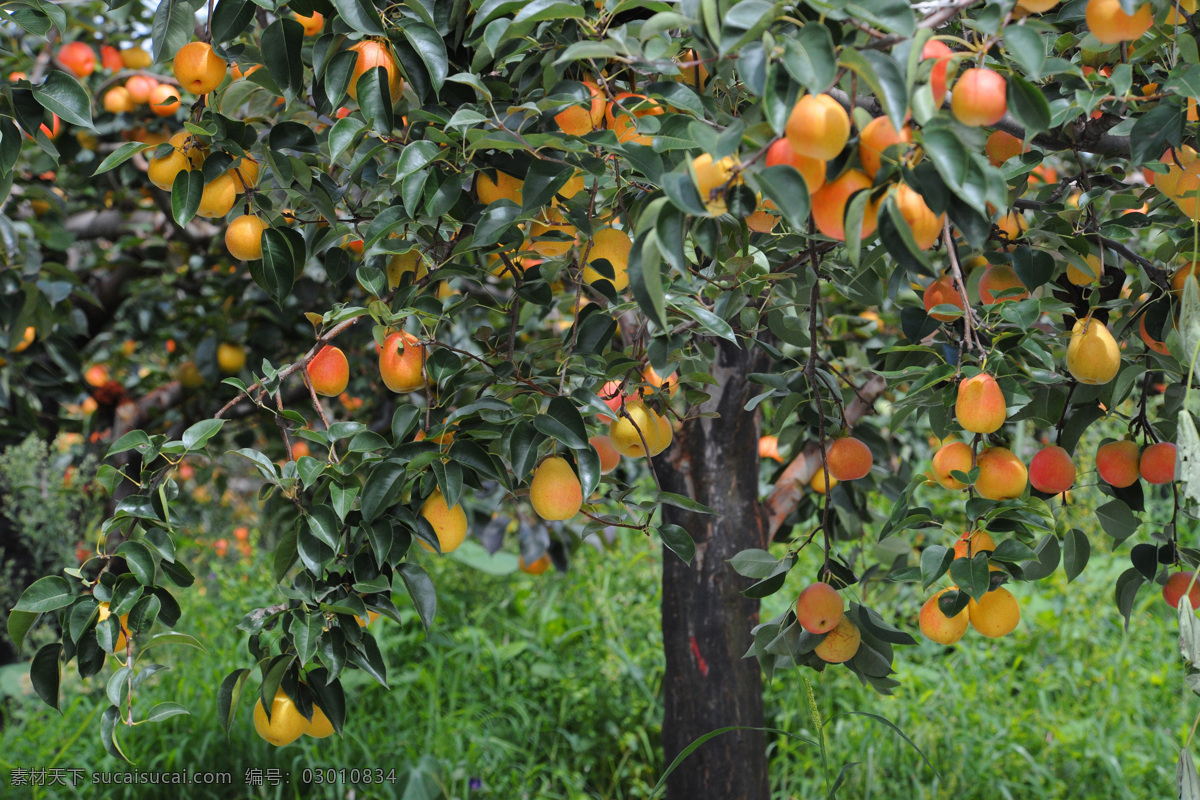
(706, 621)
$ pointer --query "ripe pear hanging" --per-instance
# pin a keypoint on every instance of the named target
(1092, 355)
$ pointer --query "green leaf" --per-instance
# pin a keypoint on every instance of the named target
(523, 446)
(173, 27)
(583, 51)
(745, 21)
(496, 219)
(370, 660)
(293, 136)
(709, 321)
(971, 575)
(645, 277)
(953, 163)
(323, 523)
(412, 66)
(935, 560)
(118, 686)
(306, 629)
(109, 721)
(417, 155)
(230, 19)
(1033, 268)
(196, 436)
(382, 488)
(681, 189)
(337, 76)
(130, 441)
(172, 637)
(1125, 592)
(1028, 104)
(1155, 130)
(669, 228)
(342, 135)
(679, 541)
(186, 192)
(810, 57)
(46, 594)
(121, 155)
(375, 100)
(285, 554)
(61, 94)
(1076, 552)
(562, 421)
(420, 589)
(44, 673)
(19, 623)
(431, 47)
(1187, 782)
(896, 235)
(686, 503)
(543, 180)
(144, 613)
(1048, 553)
(1012, 551)
(754, 563)
(885, 77)
(30, 18)
(140, 561)
(1026, 47)
(361, 15)
(177, 573)
(894, 16)
(165, 711)
(281, 45)
(228, 697)
(785, 187)
(1117, 520)
(276, 271)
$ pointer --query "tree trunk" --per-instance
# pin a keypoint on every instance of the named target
(706, 621)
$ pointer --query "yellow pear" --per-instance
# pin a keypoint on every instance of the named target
(555, 491)
(665, 434)
(450, 524)
(627, 433)
(412, 261)
(286, 724)
(1092, 355)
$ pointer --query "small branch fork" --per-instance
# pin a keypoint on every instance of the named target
(970, 338)
(331, 334)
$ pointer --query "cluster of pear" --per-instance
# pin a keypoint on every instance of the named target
(551, 235)
(995, 614)
(818, 130)
(555, 490)
(980, 408)
(219, 195)
(820, 610)
(161, 97)
(999, 283)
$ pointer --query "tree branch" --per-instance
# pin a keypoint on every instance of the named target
(790, 486)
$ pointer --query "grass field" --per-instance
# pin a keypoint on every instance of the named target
(548, 688)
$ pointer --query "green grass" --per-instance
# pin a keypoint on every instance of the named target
(548, 688)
